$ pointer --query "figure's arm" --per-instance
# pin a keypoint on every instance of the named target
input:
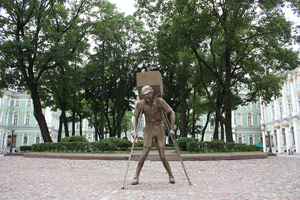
(137, 115)
(170, 115)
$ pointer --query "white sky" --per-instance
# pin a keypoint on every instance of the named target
(126, 6)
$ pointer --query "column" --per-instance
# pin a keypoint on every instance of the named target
(288, 138)
(294, 105)
(296, 134)
(277, 128)
(276, 106)
(283, 102)
(264, 138)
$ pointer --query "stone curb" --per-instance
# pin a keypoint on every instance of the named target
(171, 156)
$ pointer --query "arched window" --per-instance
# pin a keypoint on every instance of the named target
(27, 118)
(28, 103)
(251, 141)
(283, 137)
(239, 119)
(17, 103)
(250, 119)
(15, 118)
(292, 136)
(240, 139)
(25, 139)
(37, 139)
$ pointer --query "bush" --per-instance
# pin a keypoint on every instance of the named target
(193, 146)
(106, 145)
(74, 139)
(25, 148)
(182, 143)
(216, 146)
(61, 147)
(121, 144)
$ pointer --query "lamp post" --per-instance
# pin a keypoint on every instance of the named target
(11, 140)
(270, 143)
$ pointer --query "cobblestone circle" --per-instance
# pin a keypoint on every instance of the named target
(41, 178)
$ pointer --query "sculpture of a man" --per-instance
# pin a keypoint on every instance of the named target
(153, 107)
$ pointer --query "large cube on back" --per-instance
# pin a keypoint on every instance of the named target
(153, 79)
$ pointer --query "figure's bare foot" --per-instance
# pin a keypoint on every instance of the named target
(171, 180)
(135, 181)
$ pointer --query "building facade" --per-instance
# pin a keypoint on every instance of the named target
(280, 118)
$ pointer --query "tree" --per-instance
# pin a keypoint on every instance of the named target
(242, 43)
(36, 36)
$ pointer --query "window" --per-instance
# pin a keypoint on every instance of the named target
(298, 102)
(250, 121)
(239, 119)
(266, 117)
(290, 107)
(258, 105)
(258, 119)
(273, 112)
(27, 118)
(287, 85)
(15, 119)
(249, 106)
(6, 118)
(292, 136)
(37, 140)
(0, 117)
(201, 123)
(77, 126)
(280, 109)
(251, 141)
(240, 140)
(283, 137)
(28, 103)
(297, 79)
(25, 139)
(17, 103)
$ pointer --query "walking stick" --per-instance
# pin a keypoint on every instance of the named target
(132, 147)
(123, 186)
(176, 147)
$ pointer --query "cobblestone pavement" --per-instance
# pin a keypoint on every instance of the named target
(41, 178)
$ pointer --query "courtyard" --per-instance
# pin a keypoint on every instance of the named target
(277, 177)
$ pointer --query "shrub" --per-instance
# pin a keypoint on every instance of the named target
(121, 144)
(61, 147)
(216, 146)
(25, 148)
(182, 143)
(193, 146)
(74, 139)
(105, 145)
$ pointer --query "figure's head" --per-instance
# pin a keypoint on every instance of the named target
(147, 93)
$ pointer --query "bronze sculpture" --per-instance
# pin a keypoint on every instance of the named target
(153, 107)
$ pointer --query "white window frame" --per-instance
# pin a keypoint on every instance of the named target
(27, 119)
(15, 119)
(239, 119)
(249, 106)
(24, 138)
(251, 119)
(28, 103)
(17, 103)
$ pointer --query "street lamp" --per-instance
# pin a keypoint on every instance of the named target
(11, 140)
(270, 144)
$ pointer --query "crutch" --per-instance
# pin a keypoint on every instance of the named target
(132, 147)
(176, 146)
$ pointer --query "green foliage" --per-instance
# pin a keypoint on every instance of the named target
(61, 147)
(121, 144)
(219, 146)
(25, 148)
(75, 138)
(182, 142)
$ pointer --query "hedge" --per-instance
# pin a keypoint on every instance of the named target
(109, 144)
(219, 146)
(74, 138)
(25, 148)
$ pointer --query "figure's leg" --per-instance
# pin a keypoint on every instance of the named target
(140, 165)
(161, 151)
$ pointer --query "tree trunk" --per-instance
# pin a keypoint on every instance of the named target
(194, 125)
(39, 116)
(205, 126)
(73, 122)
(60, 128)
(102, 94)
(216, 130)
(66, 125)
(222, 131)
(96, 125)
(80, 125)
(227, 97)
(183, 105)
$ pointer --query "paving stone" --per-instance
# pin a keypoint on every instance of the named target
(46, 178)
